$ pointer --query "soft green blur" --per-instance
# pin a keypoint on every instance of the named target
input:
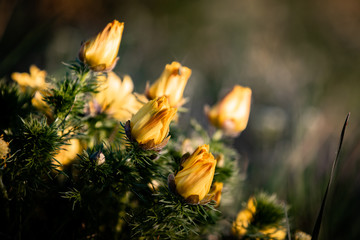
(301, 59)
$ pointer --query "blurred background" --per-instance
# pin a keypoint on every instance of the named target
(301, 59)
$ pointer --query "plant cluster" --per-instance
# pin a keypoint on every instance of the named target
(85, 157)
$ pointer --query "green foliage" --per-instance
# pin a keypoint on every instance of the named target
(113, 189)
(33, 146)
(68, 97)
(170, 217)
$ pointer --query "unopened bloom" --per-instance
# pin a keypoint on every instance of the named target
(231, 114)
(194, 180)
(116, 97)
(98, 158)
(171, 84)
(100, 53)
(35, 80)
(150, 125)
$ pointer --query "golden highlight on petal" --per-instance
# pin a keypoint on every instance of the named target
(4, 148)
(171, 84)
(38, 102)
(34, 80)
(196, 175)
(116, 98)
(100, 53)
(68, 152)
(231, 114)
(150, 125)
(274, 233)
(299, 235)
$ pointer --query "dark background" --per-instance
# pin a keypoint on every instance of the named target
(301, 58)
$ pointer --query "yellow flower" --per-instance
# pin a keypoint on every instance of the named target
(274, 233)
(68, 152)
(150, 125)
(100, 53)
(299, 235)
(116, 97)
(171, 83)
(244, 218)
(4, 148)
(193, 181)
(231, 114)
(35, 80)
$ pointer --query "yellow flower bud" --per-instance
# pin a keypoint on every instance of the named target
(150, 125)
(116, 97)
(231, 114)
(100, 53)
(171, 83)
(193, 181)
(35, 80)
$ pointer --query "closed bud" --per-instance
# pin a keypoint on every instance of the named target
(194, 180)
(98, 157)
(171, 84)
(150, 125)
(231, 114)
(100, 53)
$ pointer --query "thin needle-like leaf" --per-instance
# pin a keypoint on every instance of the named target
(316, 230)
